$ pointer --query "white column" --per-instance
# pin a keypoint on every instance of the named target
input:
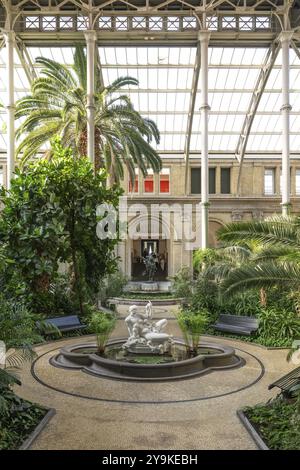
(9, 37)
(90, 37)
(285, 39)
(204, 40)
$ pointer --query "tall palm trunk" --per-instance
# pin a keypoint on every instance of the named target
(83, 147)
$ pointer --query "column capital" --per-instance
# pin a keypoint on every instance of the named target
(205, 107)
(204, 35)
(286, 107)
(90, 35)
(286, 36)
(9, 35)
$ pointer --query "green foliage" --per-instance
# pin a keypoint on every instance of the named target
(182, 283)
(112, 286)
(57, 106)
(192, 326)
(244, 304)
(49, 217)
(57, 301)
(277, 325)
(276, 262)
(148, 295)
(102, 325)
(278, 423)
(18, 418)
(17, 324)
(18, 332)
(203, 258)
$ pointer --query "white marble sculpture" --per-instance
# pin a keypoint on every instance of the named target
(146, 336)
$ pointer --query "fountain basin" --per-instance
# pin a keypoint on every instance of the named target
(123, 366)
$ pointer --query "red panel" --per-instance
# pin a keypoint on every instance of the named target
(136, 186)
(148, 186)
(164, 186)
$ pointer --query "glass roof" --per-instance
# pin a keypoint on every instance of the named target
(165, 77)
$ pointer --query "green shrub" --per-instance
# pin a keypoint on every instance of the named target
(18, 418)
(278, 326)
(278, 422)
(203, 258)
(102, 325)
(192, 326)
(245, 304)
(17, 324)
(112, 286)
(182, 285)
(205, 296)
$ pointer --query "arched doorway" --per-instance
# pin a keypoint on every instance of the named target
(157, 245)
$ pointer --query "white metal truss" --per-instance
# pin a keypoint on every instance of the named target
(191, 114)
(25, 60)
(148, 20)
(253, 106)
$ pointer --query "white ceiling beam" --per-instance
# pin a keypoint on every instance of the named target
(253, 106)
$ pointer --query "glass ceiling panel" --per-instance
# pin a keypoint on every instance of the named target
(271, 102)
(165, 76)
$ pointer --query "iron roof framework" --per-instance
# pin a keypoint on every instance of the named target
(243, 91)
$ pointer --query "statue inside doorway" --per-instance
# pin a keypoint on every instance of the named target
(150, 263)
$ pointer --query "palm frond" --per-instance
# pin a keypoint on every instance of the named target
(279, 230)
(262, 275)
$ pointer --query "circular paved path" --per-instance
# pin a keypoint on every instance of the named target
(200, 413)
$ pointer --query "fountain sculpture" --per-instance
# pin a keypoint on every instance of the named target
(146, 336)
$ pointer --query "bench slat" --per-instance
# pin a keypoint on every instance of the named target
(287, 381)
(68, 323)
(237, 324)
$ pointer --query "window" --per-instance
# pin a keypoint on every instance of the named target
(149, 182)
(225, 180)
(135, 188)
(297, 181)
(164, 180)
(138, 22)
(121, 23)
(212, 181)
(105, 22)
(66, 22)
(32, 22)
(196, 180)
(49, 23)
(269, 181)
(1, 176)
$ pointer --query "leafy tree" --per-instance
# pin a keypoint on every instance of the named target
(49, 217)
(57, 106)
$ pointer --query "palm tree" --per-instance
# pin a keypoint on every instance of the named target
(57, 106)
(277, 263)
